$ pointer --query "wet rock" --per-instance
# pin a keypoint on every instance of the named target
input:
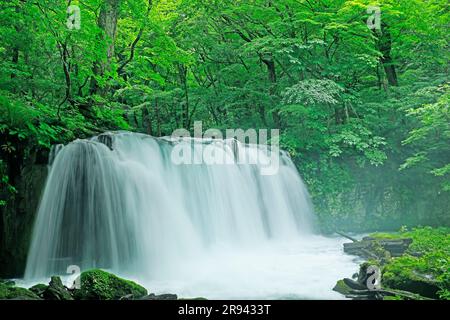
(107, 139)
(56, 290)
(100, 285)
(167, 296)
(355, 285)
(39, 289)
(342, 288)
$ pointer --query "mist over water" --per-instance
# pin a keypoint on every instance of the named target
(219, 231)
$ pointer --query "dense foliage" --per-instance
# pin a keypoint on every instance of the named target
(363, 112)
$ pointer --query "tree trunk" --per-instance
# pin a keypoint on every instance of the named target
(272, 75)
(158, 118)
(107, 21)
(385, 46)
(147, 121)
(183, 81)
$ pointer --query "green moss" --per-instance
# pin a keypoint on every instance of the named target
(12, 292)
(39, 289)
(412, 274)
(100, 285)
(342, 288)
(56, 290)
(382, 235)
(425, 239)
(392, 298)
(7, 282)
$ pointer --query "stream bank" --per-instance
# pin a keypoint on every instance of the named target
(408, 265)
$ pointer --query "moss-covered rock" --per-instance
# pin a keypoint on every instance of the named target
(410, 281)
(100, 285)
(39, 289)
(342, 288)
(13, 292)
(167, 296)
(56, 290)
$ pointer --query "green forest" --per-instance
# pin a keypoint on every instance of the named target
(359, 90)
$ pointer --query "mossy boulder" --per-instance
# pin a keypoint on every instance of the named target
(100, 285)
(412, 282)
(167, 296)
(342, 288)
(12, 292)
(39, 289)
(56, 290)
(411, 274)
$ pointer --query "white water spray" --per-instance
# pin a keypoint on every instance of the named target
(131, 210)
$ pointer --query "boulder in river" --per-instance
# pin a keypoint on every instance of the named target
(166, 296)
(39, 289)
(100, 285)
(56, 290)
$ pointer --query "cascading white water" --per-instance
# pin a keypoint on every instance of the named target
(131, 210)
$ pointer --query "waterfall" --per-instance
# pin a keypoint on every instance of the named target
(118, 202)
(122, 202)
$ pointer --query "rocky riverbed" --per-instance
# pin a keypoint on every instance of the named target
(93, 285)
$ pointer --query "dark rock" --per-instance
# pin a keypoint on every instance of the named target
(17, 216)
(342, 288)
(166, 296)
(56, 290)
(100, 285)
(354, 284)
(39, 289)
(107, 139)
(354, 290)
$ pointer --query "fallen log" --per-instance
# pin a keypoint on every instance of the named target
(390, 292)
(370, 247)
(353, 290)
(346, 236)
